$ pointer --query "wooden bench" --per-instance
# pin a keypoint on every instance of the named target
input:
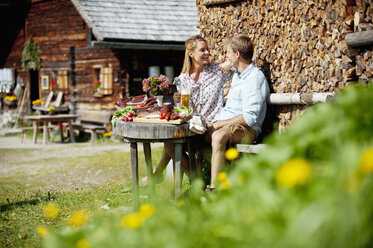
(286, 99)
(26, 129)
(93, 121)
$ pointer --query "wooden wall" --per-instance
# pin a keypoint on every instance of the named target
(299, 44)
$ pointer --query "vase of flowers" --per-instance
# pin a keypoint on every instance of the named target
(156, 86)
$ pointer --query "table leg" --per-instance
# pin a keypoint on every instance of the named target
(61, 132)
(135, 175)
(45, 132)
(192, 159)
(36, 130)
(149, 167)
(178, 149)
(71, 131)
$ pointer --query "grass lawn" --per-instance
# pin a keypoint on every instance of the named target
(94, 183)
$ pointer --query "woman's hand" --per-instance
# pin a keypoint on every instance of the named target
(177, 97)
(225, 66)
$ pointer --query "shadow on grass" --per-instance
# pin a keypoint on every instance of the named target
(13, 205)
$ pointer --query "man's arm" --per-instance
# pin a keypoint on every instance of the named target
(235, 120)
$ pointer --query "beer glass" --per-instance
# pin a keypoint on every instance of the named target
(185, 98)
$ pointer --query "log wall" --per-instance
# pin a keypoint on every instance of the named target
(300, 45)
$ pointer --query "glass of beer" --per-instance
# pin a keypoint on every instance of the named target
(185, 98)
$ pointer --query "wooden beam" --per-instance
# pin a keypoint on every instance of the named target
(358, 39)
(299, 98)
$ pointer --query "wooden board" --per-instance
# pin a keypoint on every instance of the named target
(145, 120)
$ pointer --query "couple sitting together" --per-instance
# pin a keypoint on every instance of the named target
(240, 120)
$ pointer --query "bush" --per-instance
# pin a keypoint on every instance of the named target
(310, 188)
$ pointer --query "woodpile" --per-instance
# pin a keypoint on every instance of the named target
(300, 45)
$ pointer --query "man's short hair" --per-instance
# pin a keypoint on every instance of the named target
(243, 44)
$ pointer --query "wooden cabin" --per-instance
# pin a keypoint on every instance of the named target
(81, 42)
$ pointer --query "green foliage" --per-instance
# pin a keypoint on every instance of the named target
(31, 53)
(334, 208)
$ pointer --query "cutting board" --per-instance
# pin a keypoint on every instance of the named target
(145, 120)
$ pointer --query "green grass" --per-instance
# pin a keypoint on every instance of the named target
(23, 194)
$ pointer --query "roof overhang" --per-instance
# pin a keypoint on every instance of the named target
(139, 45)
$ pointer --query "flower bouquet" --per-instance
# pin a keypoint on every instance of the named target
(51, 111)
(10, 100)
(55, 86)
(97, 85)
(38, 102)
(156, 86)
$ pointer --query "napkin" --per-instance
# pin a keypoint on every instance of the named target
(197, 125)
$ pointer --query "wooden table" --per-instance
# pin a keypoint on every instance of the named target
(147, 133)
(46, 119)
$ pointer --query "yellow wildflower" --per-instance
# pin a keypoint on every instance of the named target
(366, 162)
(146, 211)
(294, 172)
(78, 218)
(42, 230)
(113, 181)
(225, 184)
(231, 153)
(51, 211)
(83, 244)
(222, 176)
(99, 187)
(132, 221)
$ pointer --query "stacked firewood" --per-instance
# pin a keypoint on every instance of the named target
(300, 44)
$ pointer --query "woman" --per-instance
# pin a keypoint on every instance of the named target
(206, 83)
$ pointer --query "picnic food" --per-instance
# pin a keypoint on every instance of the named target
(127, 112)
(131, 101)
(150, 101)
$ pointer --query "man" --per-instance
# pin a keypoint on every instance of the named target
(242, 117)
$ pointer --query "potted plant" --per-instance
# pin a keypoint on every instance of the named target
(31, 56)
(156, 86)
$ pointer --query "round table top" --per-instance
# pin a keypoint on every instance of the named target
(152, 131)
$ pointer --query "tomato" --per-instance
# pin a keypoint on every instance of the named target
(130, 114)
(162, 115)
(140, 105)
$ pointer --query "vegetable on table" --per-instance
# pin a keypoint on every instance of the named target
(120, 114)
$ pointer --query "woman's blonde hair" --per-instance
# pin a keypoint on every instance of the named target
(190, 45)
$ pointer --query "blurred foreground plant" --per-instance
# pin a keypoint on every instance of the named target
(325, 163)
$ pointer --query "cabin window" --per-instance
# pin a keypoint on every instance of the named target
(102, 80)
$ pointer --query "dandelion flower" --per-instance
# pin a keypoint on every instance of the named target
(225, 184)
(231, 153)
(366, 162)
(132, 221)
(78, 218)
(146, 210)
(42, 230)
(51, 211)
(294, 172)
(83, 244)
(222, 176)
